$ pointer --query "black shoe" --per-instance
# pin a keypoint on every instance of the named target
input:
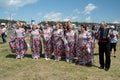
(114, 56)
(101, 67)
(106, 69)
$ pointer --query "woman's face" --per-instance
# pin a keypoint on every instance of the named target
(34, 27)
(66, 24)
(46, 25)
(19, 24)
(2, 26)
(82, 29)
(94, 28)
(57, 26)
(70, 27)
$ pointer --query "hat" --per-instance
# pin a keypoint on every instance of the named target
(112, 27)
(3, 24)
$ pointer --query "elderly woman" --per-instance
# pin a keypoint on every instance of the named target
(20, 44)
(47, 36)
(57, 42)
(70, 37)
(35, 42)
(84, 46)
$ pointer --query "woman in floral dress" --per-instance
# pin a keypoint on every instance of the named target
(70, 37)
(57, 42)
(84, 46)
(47, 34)
(20, 44)
(35, 42)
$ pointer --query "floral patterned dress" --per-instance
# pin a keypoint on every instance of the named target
(84, 48)
(57, 43)
(12, 42)
(70, 45)
(35, 43)
(47, 36)
(19, 43)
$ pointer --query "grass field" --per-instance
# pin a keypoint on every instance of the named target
(28, 69)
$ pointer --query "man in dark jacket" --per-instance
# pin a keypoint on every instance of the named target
(104, 46)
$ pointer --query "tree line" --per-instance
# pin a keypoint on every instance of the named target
(53, 22)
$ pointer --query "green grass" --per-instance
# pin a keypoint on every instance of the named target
(28, 69)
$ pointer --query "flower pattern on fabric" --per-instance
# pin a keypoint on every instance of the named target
(47, 34)
(57, 43)
(18, 42)
(70, 46)
(84, 48)
(35, 43)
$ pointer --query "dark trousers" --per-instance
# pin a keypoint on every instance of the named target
(113, 46)
(4, 38)
(104, 48)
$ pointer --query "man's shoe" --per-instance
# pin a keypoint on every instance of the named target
(101, 67)
(114, 56)
(106, 69)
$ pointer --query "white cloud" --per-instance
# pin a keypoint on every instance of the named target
(74, 17)
(69, 18)
(76, 11)
(58, 16)
(66, 19)
(53, 16)
(116, 22)
(15, 3)
(90, 7)
(88, 19)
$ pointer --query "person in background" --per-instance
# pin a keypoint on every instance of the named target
(93, 32)
(35, 42)
(2, 32)
(113, 40)
(65, 27)
(103, 36)
(116, 28)
(70, 37)
(20, 44)
(84, 47)
(57, 42)
(47, 36)
(25, 26)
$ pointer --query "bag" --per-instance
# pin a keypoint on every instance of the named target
(112, 36)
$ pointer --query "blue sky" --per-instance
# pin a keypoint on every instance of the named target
(61, 10)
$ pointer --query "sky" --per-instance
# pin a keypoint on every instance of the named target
(61, 10)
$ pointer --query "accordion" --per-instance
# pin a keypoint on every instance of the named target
(103, 33)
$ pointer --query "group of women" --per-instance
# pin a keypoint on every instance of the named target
(58, 42)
